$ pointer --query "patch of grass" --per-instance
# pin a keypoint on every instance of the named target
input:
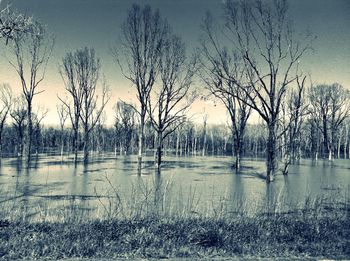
(280, 235)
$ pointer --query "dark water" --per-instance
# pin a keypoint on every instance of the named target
(186, 185)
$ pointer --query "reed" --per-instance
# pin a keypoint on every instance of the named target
(155, 222)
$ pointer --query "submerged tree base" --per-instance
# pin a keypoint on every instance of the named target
(293, 235)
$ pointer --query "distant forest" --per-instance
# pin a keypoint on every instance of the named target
(189, 139)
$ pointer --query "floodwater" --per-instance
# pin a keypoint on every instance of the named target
(207, 185)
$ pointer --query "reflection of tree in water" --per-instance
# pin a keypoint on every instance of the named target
(274, 199)
(24, 187)
(19, 197)
(80, 199)
(77, 197)
(236, 195)
(73, 188)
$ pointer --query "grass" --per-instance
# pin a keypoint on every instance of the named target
(153, 237)
(139, 226)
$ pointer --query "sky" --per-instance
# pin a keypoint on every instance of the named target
(96, 23)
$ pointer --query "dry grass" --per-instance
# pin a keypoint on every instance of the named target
(153, 223)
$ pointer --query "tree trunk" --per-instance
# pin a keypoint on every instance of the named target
(86, 143)
(204, 136)
(204, 144)
(338, 149)
(141, 140)
(76, 137)
(0, 148)
(159, 149)
(195, 146)
(28, 143)
(177, 143)
(271, 152)
(62, 143)
(1, 130)
(238, 161)
(325, 136)
(287, 162)
(62, 147)
(346, 135)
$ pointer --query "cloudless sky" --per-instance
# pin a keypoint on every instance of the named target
(96, 23)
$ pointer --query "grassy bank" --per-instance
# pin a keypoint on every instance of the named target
(154, 222)
(297, 234)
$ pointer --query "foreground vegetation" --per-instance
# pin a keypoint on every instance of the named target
(315, 230)
(281, 236)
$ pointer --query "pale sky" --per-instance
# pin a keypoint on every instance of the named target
(96, 23)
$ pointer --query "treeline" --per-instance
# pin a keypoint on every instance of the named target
(191, 139)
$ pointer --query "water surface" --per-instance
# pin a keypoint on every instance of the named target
(198, 185)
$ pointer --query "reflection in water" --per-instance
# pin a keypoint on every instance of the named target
(194, 184)
(271, 199)
(26, 193)
(237, 191)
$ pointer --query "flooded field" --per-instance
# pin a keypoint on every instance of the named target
(186, 185)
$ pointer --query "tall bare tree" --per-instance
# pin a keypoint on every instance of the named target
(143, 34)
(31, 51)
(293, 115)
(5, 107)
(80, 72)
(63, 115)
(260, 34)
(11, 24)
(170, 102)
(219, 68)
(69, 73)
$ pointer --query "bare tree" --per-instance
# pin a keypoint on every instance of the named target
(293, 114)
(204, 148)
(340, 111)
(143, 34)
(63, 115)
(219, 67)
(69, 73)
(80, 72)
(19, 114)
(172, 99)
(263, 39)
(329, 104)
(124, 124)
(31, 51)
(93, 105)
(12, 23)
(99, 135)
(5, 107)
(37, 117)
